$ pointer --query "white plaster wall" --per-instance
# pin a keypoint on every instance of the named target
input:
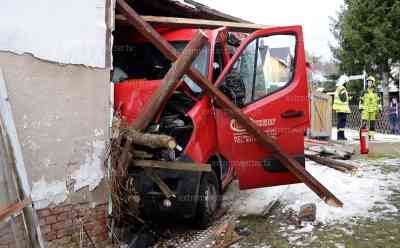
(61, 114)
(63, 31)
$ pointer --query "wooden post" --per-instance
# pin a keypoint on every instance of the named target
(169, 84)
(170, 52)
(171, 81)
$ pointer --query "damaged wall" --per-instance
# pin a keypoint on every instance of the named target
(61, 114)
(69, 32)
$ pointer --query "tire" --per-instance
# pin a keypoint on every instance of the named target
(210, 199)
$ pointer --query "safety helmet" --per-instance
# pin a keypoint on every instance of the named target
(344, 79)
(372, 80)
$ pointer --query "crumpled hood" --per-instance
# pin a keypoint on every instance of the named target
(131, 96)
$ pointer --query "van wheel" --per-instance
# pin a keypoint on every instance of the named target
(210, 199)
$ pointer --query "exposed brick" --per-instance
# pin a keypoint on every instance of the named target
(64, 232)
(51, 220)
(64, 216)
(50, 236)
(61, 225)
(44, 213)
(65, 225)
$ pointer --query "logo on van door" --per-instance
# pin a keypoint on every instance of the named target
(241, 136)
(237, 128)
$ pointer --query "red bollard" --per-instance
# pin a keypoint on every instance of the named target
(364, 141)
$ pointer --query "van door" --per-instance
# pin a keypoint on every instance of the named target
(267, 79)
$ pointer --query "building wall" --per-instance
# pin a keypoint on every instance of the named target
(70, 32)
(61, 113)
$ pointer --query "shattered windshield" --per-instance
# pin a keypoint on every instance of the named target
(144, 61)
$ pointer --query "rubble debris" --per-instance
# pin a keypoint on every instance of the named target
(308, 212)
(242, 230)
(227, 236)
(333, 150)
(270, 207)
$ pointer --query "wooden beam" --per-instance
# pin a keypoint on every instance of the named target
(158, 99)
(332, 163)
(269, 143)
(174, 22)
(161, 184)
(171, 81)
(173, 165)
(14, 208)
(151, 140)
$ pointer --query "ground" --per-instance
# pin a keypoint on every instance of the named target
(370, 216)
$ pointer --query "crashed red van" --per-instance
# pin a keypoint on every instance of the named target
(263, 73)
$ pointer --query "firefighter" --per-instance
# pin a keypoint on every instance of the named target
(341, 105)
(370, 107)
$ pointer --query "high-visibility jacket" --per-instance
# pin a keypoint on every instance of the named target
(370, 102)
(341, 100)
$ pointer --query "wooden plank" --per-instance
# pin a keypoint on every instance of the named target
(269, 143)
(335, 164)
(161, 184)
(14, 208)
(173, 165)
(174, 22)
(321, 115)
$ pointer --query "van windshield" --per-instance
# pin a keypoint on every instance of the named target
(144, 61)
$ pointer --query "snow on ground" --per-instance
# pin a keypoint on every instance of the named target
(353, 136)
(360, 192)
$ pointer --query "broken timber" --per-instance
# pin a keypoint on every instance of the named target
(161, 184)
(174, 165)
(151, 140)
(332, 163)
(170, 52)
(162, 21)
(14, 209)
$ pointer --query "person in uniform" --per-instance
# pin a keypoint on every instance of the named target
(341, 106)
(370, 105)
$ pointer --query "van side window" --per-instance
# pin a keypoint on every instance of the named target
(265, 66)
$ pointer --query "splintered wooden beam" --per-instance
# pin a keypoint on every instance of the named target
(173, 165)
(151, 140)
(170, 52)
(174, 22)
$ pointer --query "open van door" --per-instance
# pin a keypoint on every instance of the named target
(267, 79)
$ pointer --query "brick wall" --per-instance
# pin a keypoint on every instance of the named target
(61, 226)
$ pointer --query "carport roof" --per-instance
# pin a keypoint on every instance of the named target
(180, 8)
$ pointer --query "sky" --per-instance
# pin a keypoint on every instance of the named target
(313, 15)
